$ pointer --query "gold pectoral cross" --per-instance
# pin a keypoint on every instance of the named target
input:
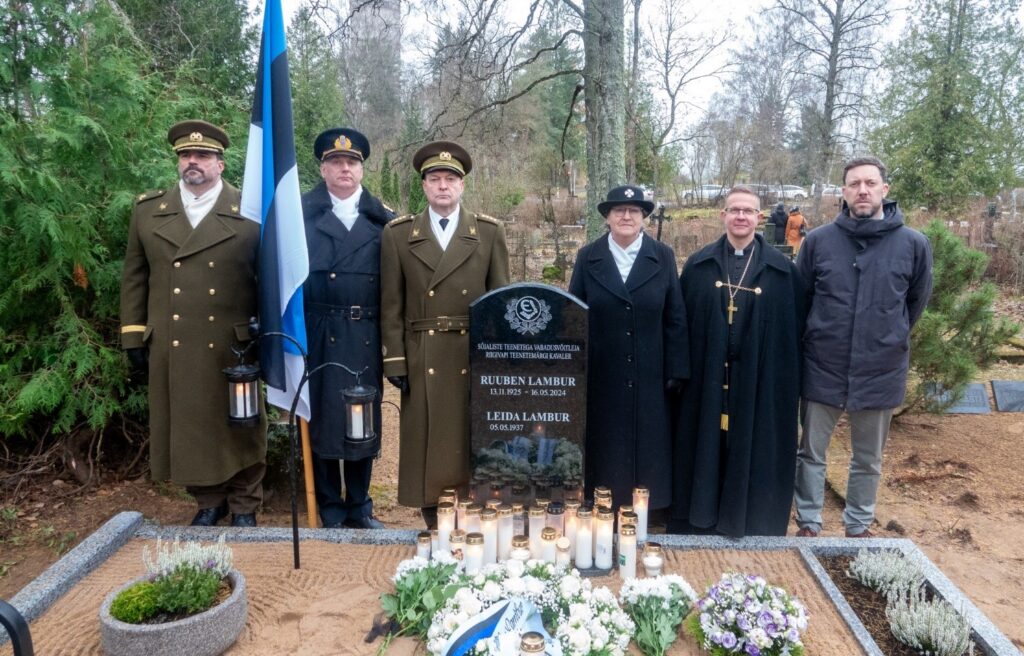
(733, 290)
(731, 309)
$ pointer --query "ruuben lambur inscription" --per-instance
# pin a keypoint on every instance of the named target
(528, 392)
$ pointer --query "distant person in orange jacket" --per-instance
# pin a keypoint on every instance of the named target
(796, 228)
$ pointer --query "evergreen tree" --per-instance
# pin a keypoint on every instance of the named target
(958, 334)
(941, 132)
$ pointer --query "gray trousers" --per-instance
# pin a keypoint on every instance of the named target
(869, 430)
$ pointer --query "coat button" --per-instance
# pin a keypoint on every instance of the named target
(430, 293)
(175, 316)
(177, 265)
(333, 275)
(366, 343)
(212, 292)
(465, 291)
(210, 264)
(629, 308)
(462, 332)
(629, 333)
(177, 290)
(629, 383)
(430, 332)
(210, 345)
(210, 317)
(463, 372)
(332, 340)
(430, 371)
(629, 358)
(175, 343)
(371, 278)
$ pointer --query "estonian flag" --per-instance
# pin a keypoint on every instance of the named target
(270, 196)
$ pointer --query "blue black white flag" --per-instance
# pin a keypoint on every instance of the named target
(270, 196)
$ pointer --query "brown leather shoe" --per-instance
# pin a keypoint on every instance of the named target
(807, 532)
(865, 534)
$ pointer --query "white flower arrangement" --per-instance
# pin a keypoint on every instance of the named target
(657, 607)
(933, 628)
(216, 557)
(743, 614)
(588, 621)
(887, 572)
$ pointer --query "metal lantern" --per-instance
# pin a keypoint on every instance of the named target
(359, 412)
(243, 394)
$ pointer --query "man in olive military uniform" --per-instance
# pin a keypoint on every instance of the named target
(344, 222)
(433, 265)
(188, 291)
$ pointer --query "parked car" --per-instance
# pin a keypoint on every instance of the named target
(706, 193)
(832, 191)
(790, 192)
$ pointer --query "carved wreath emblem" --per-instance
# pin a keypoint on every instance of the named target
(527, 315)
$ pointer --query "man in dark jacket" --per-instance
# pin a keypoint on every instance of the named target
(779, 218)
(736, 430)
(344, 222)
(870, 279)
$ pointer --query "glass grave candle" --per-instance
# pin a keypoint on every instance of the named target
(447, 498)
(423, 545)
(520, 494)
(504, 532)
(460, 513)
(641, 503)
(628, 517)
(571, 522)
(537, 519)
(473, 518)
(489, 529)
(623, 509)
(627, 552)
(531, 644)
(563, 553)
(584, 538)
(457, 546)
(556, 516)
(445, 525)
(474, 552)
(603, 531)
(435, 541)
(518, 519)
(451, 491)
(520, 548)
(495, 492)
(549, 551)
(492, 503)
(543, 502)
(572, 492)
(654, 559)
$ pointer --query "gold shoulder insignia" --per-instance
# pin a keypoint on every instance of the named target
(403, 219)
(149, 195)
(388, 208)
(489, 219)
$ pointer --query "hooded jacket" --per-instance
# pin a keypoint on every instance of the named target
(869, 282)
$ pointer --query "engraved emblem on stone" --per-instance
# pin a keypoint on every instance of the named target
(527, 315)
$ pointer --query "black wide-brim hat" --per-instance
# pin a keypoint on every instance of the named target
(625, 195)
(341, 142)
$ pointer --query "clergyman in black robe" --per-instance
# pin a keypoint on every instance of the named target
(736, 430)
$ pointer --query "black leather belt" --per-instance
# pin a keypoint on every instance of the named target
(353, 312)
(442, 324)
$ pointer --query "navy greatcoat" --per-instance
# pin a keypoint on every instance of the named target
(342, 300)
(637, 341)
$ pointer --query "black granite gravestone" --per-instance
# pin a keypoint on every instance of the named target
(1009, 395)
(973, 402)
(528, 393)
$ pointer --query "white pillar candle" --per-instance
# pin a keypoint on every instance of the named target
(474, 552)
(641, 501)
(556, 517)
(445, 525)
(562, 552)
(571, 522)
(457, 546)
(548, 536)
(584, 539)
(452, 492)
(460, 515)
(489, 529)
(435, 542)
(520, 548)
(627, 552)
(473, 518)
(504, 532)
(537, 520)
(603, 539)
(423, 545)
(602, 497)
(654, 559)
(518, 519)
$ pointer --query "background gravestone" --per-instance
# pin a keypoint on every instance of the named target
(1009, 395)
(528, 393)
(973, 402)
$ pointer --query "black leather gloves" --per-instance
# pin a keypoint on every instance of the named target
(401, 382)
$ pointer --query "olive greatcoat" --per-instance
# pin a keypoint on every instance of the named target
(637, 341)
(344, 274)
(426, 294)
(188, 295)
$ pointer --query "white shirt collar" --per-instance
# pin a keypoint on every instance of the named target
(197, 207)
(346, 209)
(625, 257)
(444, 236)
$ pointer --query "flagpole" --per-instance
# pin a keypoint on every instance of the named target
(307, 466)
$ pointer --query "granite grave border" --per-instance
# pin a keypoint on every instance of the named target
(36, 597)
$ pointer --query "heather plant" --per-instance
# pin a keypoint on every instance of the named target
(932, 628)
(887, 572)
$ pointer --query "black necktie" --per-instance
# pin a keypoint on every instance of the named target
(444, 223)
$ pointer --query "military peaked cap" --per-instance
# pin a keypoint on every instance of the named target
(341, 142)
(446, 155)
(197, 135)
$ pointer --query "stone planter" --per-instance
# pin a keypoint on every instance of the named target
(209, 633)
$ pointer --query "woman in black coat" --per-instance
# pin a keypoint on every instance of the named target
(342, 303)
(638, 353)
